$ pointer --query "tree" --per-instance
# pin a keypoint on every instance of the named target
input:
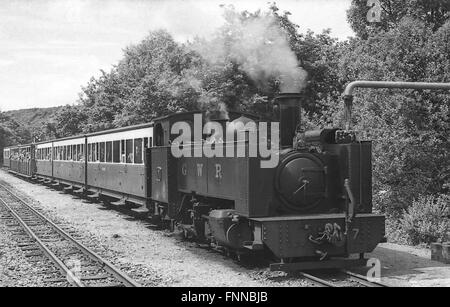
(432, 12)
(410, 128)
(70, 120)
(11, 132)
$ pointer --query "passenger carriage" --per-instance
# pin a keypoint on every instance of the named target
(116, 163)
(43, 157)
(21, 160)
(108, 164)
(68, 162)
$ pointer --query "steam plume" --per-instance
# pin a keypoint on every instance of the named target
(261, 48)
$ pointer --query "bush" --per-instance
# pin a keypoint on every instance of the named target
(425, 221)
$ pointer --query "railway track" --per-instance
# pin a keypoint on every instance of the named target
(43, 240)
(348, 279)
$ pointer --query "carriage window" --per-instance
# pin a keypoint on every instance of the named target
(108, 152)
(150, 142)
(116, 151)
(122, 151)
(74, 153)
(89, 152)
(102, 152)
(98, 151)
(129, 151)
(94, 152)
(77, 150)
(138, 151)
(145, 143)
(82, 153)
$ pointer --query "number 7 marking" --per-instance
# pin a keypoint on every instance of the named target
(356, 230)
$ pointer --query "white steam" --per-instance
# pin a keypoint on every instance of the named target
(260, 47)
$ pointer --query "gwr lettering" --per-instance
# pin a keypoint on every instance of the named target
(199, 169)
(218, 171)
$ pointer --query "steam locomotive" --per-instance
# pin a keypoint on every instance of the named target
(312, 210)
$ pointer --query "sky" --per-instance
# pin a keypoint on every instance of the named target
(49, 49)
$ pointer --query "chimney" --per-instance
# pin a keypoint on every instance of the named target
(288, 116)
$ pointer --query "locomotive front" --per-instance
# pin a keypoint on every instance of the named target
(314, 209)
(311, 209)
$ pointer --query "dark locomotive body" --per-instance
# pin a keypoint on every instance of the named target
(312, 210)
(316, 204)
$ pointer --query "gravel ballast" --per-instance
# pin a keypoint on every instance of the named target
(158, 258)
(152, 257)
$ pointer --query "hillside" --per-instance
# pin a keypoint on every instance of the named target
(33, 118)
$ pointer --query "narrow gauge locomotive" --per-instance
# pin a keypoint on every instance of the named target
(314, 205)
(313, 210)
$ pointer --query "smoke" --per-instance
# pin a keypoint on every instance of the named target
(259, 46)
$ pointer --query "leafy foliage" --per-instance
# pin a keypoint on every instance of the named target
(425, 221)
(409, 129)
(159, 76)
(433, 12)
(11, 132)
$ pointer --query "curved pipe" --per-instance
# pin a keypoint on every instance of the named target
(350, 88)
(400, 85)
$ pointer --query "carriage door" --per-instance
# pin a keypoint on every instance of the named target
(148, 172)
